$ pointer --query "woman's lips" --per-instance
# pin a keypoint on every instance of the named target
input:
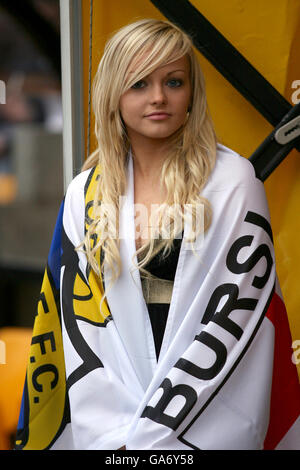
(158, 116)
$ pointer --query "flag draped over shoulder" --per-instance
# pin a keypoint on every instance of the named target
(224, 378)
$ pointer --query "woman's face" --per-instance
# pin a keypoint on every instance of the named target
(156, 106)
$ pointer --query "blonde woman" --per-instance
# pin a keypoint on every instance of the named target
(164, 264)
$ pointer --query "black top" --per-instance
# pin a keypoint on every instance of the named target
(164, 269)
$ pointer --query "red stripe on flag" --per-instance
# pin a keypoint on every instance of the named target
(285, 399)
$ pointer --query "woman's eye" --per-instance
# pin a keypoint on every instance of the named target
(174, 83)
(138, 85)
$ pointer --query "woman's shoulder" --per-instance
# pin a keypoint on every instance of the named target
(231, 171)
(75, 207)
(78, 185)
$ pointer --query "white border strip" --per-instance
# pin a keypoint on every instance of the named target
(72, 93)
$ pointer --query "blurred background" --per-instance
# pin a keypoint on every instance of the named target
(31, 180)
(266, 33)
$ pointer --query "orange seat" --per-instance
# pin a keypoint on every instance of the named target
(8, 189)
(14, 352)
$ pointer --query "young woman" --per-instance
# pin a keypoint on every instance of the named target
(163, 261)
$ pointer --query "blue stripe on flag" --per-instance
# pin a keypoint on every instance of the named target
(21, 415)
(54, 258)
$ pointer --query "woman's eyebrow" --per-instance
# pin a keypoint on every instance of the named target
(169, 73)
(177, 70)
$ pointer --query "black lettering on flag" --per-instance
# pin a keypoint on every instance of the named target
(260, 221)
(42, 370)
(156, 413)
(261, 251)
(42, 298)
(41, 339)
(232, 303)
(205, 373)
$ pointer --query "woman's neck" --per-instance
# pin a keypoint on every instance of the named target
(148, 160)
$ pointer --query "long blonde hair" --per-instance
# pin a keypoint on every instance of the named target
(192, 152)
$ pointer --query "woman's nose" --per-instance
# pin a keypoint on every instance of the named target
(158, 95)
